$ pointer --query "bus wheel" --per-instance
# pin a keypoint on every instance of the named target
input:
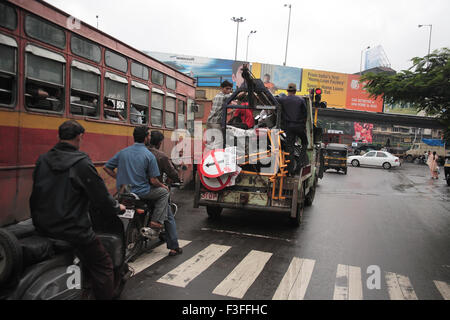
(213, 212)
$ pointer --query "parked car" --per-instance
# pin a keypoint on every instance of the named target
(375, 159)
(365, 148)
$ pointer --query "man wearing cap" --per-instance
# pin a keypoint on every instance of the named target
(65, 185)
(293, 119)
(137, 167)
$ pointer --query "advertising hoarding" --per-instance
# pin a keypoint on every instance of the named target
(359, 99)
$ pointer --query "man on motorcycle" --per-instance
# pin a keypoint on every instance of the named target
(166, 166)
(137, 167)
(65, 185)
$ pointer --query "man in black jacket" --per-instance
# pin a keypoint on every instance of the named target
(65, 184)
(294, 115)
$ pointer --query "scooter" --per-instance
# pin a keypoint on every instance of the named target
(33, 267)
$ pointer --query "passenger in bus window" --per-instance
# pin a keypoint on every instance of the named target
(44, 98)
(111, 113)
(136, 116)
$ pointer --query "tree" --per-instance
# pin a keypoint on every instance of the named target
(426, 85)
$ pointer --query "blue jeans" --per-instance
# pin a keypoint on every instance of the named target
(171, 231)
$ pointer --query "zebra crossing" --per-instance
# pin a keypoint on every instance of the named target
(294, 284)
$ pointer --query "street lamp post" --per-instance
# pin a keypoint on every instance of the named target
(246, 54)
(360, 64)
(287, 39)
(238, 20)
(429, 40)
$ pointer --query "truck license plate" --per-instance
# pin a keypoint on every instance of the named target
(210, 196)
(129, 214)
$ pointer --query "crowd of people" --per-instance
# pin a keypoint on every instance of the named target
(293, 113)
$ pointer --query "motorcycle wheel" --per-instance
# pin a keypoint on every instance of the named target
(133, 239)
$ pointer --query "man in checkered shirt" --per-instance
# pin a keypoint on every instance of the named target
(215, 117)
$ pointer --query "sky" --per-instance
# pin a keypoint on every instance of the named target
(323, 35)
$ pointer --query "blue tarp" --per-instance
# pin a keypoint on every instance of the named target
(434, 142)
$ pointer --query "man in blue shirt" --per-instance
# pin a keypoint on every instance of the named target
(137, 166)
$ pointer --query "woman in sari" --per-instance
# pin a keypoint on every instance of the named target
(434, 166)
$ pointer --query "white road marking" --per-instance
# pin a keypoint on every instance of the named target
(399, 287)
(348, 284)
(295, 281)
(242, 277)
(247, 234)
(444, 289)
(182, 275)
(146, 260)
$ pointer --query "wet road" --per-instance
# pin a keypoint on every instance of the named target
(372, 234)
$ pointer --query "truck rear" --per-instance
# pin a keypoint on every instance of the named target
(261, 181)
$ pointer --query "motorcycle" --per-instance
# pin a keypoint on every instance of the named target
(138, 213)
(33, 267)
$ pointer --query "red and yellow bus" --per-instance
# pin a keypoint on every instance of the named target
(54, 68)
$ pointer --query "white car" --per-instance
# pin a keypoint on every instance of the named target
(375, 159)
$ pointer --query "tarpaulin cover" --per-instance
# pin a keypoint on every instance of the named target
(434, 142)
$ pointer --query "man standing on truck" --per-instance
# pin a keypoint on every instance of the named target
(293, 119)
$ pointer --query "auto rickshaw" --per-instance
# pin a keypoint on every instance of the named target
(335, 157)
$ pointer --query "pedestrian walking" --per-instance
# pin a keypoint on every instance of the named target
(434, 166)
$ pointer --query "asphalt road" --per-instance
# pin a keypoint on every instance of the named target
(372, 234)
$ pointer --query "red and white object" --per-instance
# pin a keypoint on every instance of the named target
(218, 162)
(215, 184)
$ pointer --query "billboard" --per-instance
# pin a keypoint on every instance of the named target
(210, 72)
(340, 90)
(359, 99)
(277, 78)
(333, 84)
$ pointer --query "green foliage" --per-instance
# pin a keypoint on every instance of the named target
(426, 85)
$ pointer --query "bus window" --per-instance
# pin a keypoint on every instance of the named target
(181, 114)
(115, 102)
(8, 70)
(85, 89)
(170, 112)
(44, 82)
(157, 77)
(85, 49)
(45, 31)
(171, 83)
(190, 116)
(139, 71)
(116, 61)
(8, 17)
(139, 103)
(157, 108)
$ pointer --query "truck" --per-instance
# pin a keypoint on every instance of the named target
(418, 150)
(257, 186)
